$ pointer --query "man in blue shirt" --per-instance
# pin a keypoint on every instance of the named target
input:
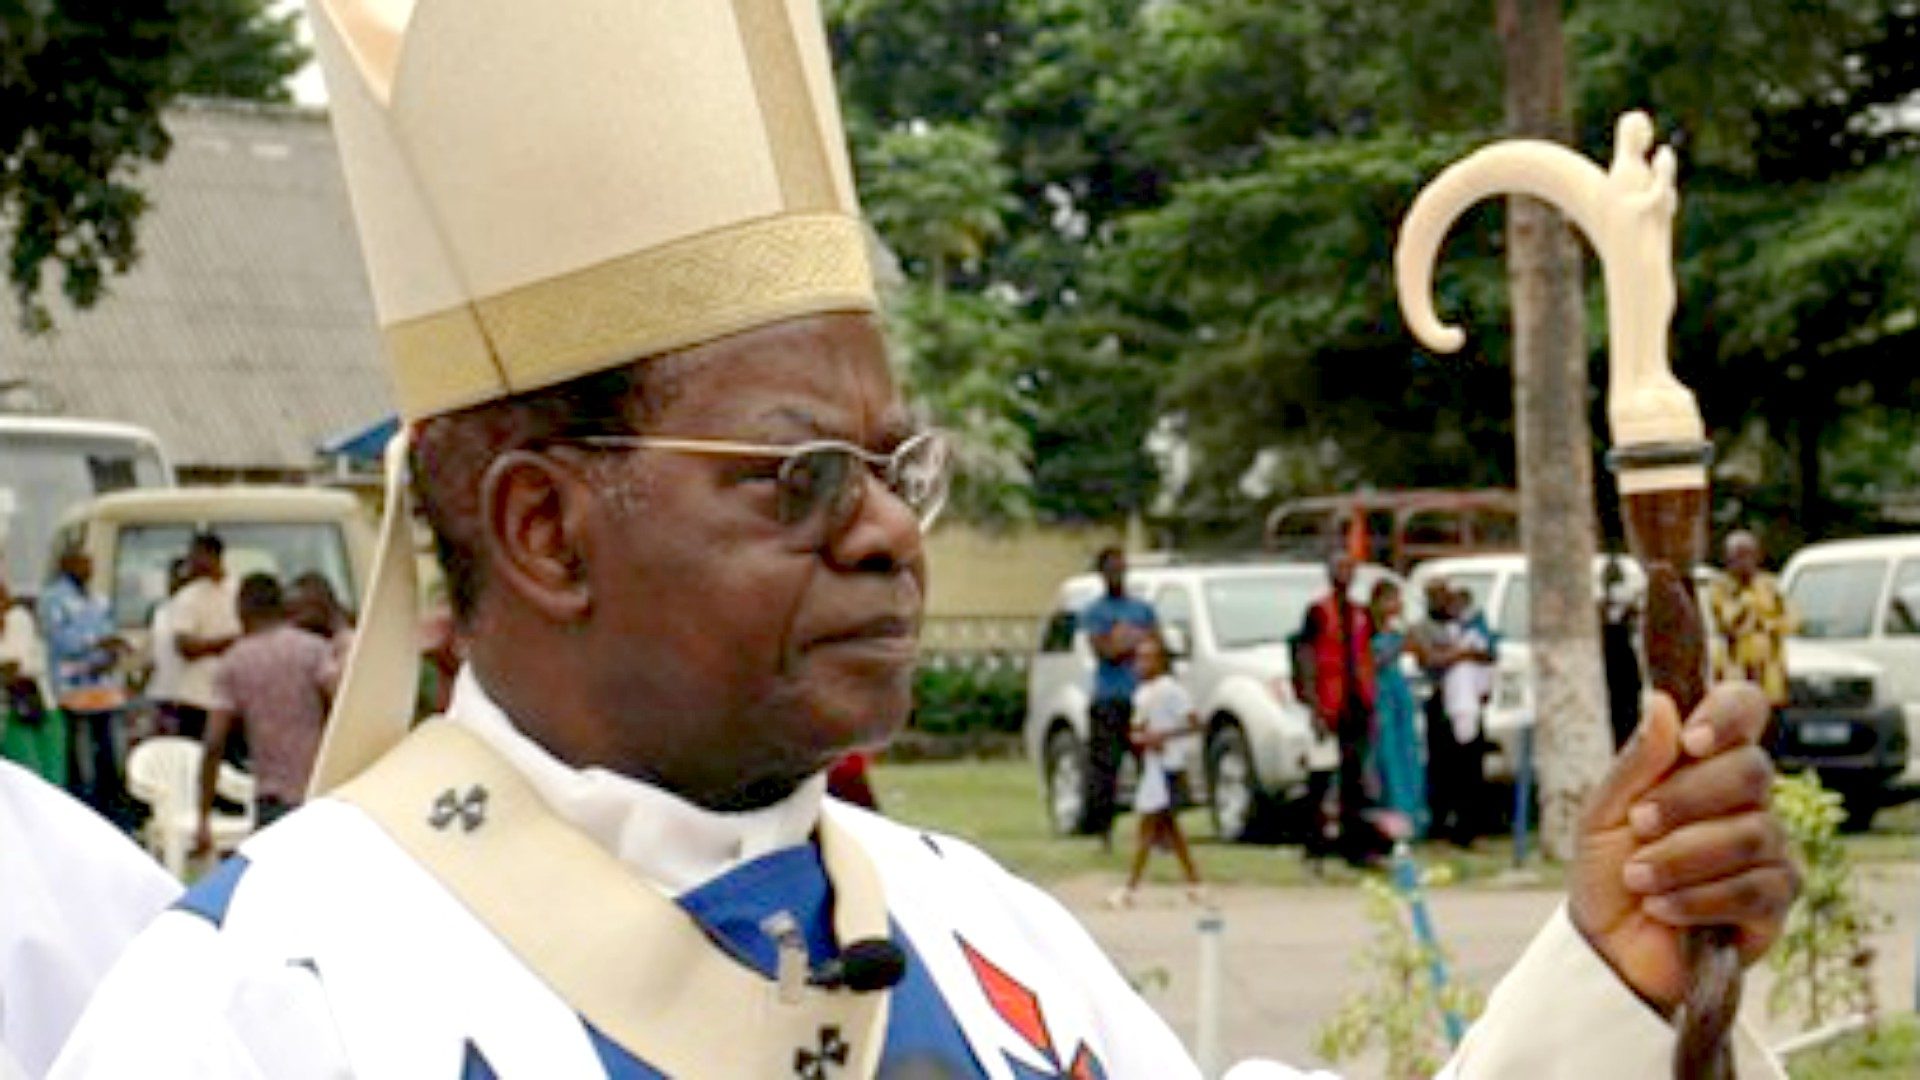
(83, 654)
(1116, 624)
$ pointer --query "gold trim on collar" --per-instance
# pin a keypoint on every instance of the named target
(622, 954)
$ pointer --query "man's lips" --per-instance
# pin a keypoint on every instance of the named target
(887, 631)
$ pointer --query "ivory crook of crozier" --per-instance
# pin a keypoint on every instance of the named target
(1626, 214)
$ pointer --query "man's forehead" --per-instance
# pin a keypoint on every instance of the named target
(820, 379)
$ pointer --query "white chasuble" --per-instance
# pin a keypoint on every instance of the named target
(438, 920)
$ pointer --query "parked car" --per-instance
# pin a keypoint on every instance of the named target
(1862, 598)
(133, 536)
(1841, 721)
(1229, 626)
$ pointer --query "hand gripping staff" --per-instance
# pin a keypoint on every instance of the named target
(1660, 450)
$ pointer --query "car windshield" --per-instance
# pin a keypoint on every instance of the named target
(1260, 609)
(283, 549)
(1837, 600)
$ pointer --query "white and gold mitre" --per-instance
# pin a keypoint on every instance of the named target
(546, 190)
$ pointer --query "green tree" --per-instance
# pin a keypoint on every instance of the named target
(238, 49)
(1800, 225)
(960, 353)
(939, 196)
(1159, 150)
(1033, 74)
(82, 87)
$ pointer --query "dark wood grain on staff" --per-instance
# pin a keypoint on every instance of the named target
(1667, 531)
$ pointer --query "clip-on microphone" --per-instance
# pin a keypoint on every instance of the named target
(863, 967)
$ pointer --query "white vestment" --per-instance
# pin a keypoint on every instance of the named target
(73, 892)
(325, 950)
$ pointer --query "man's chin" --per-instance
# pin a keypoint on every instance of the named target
(854, 723)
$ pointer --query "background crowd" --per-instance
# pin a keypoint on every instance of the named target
(1404, 694)
(246, 668)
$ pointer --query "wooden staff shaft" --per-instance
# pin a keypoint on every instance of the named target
(1667, 532)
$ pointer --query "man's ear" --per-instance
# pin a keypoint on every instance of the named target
(533, 509)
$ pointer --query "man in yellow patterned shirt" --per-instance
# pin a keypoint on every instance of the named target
(1753, 620)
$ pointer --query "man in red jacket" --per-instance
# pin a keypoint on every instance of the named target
(1333, 656)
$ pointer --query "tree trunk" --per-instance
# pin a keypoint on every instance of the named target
(1574, 740)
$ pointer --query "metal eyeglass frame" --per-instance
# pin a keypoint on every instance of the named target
(884, 466)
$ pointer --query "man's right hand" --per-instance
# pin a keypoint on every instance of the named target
(202, 838)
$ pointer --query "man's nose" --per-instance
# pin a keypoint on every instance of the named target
(882, 536)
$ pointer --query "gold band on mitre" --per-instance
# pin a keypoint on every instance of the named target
(644, 304)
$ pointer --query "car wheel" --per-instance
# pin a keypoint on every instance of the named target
(1239, 807)
(1066, 765)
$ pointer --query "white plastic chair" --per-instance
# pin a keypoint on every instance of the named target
(164, 773)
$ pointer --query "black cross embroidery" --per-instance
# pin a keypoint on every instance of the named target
(470, 809)
(814, 1065)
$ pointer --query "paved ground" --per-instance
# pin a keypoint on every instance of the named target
(1287, 951)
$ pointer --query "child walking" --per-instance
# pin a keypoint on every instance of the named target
(1165, 728)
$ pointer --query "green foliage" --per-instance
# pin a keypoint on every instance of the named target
(1398, 1010)
(1204, 194)
(1824, 960)
(961, 352)
(82, 87)
(1279, 282)
(1714, 69)
(938, 194)
(961, 696)
(238, 49)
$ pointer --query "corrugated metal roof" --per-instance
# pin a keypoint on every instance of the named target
(245, 335)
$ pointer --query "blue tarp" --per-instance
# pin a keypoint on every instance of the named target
(364, 444)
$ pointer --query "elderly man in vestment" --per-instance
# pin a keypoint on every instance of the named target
(680, 502)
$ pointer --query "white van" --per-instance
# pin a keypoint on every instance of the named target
(133, 536)
(1863, 597)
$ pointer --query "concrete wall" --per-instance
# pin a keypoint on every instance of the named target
(989, 591)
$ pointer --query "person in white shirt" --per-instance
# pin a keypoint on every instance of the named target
(162, 688)
(1165, 732)
(1469, 679)
(205, 621)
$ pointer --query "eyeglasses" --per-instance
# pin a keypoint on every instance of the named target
(820, 483)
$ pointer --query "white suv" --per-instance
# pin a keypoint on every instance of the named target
(1229, 625)
(1862, 597)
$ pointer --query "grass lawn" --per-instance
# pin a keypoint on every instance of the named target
(1894, 1052)
(997, 805)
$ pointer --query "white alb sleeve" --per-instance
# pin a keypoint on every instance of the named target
(1561, 1012)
